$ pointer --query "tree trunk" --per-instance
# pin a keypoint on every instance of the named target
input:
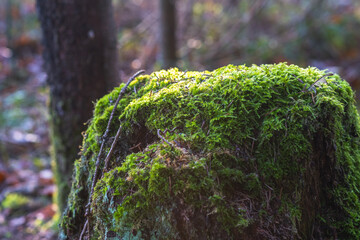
(168, 33)
(80, 59)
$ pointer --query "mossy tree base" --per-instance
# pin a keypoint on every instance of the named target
(256, 152)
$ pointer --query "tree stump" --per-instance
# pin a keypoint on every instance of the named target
(260, 152)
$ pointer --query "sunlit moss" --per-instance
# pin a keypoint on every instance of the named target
(14, 200)
(252, 149)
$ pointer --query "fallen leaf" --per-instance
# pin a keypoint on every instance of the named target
(3, 176)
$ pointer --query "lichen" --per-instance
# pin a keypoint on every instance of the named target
(255, 152)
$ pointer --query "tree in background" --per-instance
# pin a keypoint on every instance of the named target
(168, 33)
(79, 41)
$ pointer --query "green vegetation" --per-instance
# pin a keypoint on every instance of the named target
(14, 201)
(250, 152)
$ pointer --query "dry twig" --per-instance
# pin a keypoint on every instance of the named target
(104, 137)
(106, 166)
(159, 135)
(83, 230)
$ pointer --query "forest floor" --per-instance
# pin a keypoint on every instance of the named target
(26, 180)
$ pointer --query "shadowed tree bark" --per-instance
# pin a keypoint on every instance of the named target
(79, 41)
(168, 33)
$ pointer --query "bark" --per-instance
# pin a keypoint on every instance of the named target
(8, 32)
(168, 33)
(80, 59)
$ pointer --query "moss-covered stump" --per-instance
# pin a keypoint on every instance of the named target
(260, 152)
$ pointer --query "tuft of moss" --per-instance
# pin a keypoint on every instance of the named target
(255, 152)
(14, 201)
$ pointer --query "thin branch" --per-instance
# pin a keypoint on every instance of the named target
(103, 138)
(122, 92)
(321, 79)
(159, 135)
(298, 78)
(83, 230)
(111, 150)
(136, 146)
(95, 177)
(170, 131)
(316, 83)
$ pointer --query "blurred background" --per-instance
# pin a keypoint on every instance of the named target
(209, 34)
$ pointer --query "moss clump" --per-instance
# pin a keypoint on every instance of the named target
(14, 201)
(255, 152)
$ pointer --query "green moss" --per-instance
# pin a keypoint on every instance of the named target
(14, 201)
(253, 149)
